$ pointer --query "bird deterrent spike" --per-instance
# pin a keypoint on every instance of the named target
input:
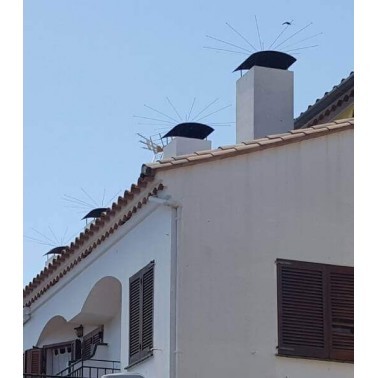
(103, 198)
(157, 111)
(190, 112)
(240, 35)
(279, 35)
(302, 40)
(216, 111)
(155, 119)
(38, 241)
(40, 233)
(205, 108)
(170, 103)
(231, 51)
(258, 32)
(87, 194)
(294, 34)
(228, 43)
(53, 234)
(64, 235)
(302, 48)
(76, 200)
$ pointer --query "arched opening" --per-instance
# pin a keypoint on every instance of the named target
(58, 345)
(100, 317)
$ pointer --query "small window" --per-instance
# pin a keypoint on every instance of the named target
(315, 310)
(141, 303)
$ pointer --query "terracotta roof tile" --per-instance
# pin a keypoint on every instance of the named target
(299, 131)
(294, 137)
(94, 228)
(199, 157)
(222, 152)
(230, 146)
(255, 141)
(178, 162)
(268, 141)
(338, 123)
(247, 148)
(330, 101)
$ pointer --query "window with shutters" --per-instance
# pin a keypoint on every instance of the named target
(90, 342)
(315, 310)
(141, 303)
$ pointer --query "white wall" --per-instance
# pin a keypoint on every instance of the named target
(238, 216)
(139, 244)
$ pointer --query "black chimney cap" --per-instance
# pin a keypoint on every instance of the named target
(56, 250)
(190, 130)
(95, 213)
(269, 59)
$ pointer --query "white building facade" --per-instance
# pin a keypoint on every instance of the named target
(214, 228)
(231, 262)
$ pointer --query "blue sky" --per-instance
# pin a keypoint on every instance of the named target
(90, 66)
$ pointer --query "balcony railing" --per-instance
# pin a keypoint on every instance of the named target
(84, 369)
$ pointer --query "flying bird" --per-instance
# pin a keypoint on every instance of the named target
(287, 23)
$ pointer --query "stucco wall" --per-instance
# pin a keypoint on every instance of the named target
(144, 238)
(238, 216)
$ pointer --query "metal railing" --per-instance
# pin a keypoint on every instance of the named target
(84, 369)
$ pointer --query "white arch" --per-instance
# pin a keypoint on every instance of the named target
(102, 303)
(57, 329)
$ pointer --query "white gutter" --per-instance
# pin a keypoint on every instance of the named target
(175, 219)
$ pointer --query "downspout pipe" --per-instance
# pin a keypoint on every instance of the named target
(175, 219)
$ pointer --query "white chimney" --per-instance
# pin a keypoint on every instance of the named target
(182, 146)
(264, 97)
(188, 137)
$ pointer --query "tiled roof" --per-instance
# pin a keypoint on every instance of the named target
(98, 231)
(330, 102)
(248, 147)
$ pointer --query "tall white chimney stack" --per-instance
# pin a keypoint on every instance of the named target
(264, 96)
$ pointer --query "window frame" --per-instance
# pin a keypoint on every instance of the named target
(329, 276)
(137, 315)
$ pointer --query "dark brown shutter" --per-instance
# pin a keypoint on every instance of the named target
(141, 298)
(301, 309)
(147, 310)
(134, 319)
(90, 341)
(76, 345)
(315, 310)
(33, 361)
(341, 288)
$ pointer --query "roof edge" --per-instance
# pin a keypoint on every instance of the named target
(323, 103)
(270, 141)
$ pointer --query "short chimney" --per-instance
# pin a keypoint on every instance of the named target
(187, 138)
(264, 96)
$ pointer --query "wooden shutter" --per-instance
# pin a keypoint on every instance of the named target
(341, 304)
(141, 298)
(302, 309)
(315, 310)
(147, 311)
(134, 319)
(76, 350)
(33, 361)
(90, 341)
